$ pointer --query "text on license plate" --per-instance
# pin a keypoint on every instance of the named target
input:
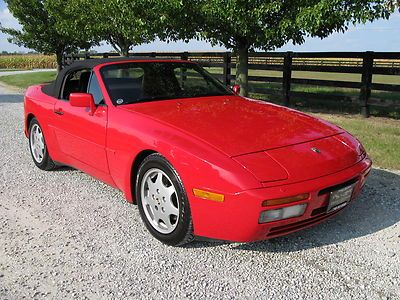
(340, 198)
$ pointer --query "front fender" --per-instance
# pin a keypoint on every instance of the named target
(198, 164)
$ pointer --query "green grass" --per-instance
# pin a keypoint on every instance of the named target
(380, 136)
(25, 80)
(10, 70)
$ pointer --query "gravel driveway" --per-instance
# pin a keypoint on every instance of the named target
(66, 235)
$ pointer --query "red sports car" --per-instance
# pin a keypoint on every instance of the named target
(196, 158)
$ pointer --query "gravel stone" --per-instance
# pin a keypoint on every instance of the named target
(65, 235)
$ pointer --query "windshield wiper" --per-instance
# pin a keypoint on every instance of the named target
(157, 98)
(147, 99)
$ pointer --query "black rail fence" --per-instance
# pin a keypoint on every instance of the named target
(277, 75)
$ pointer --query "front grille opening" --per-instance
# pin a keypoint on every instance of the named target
(319, 210)
(337, 187)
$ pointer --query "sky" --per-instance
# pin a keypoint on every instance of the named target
(381, 35)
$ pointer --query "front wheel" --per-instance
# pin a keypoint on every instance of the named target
(38, 148)
(162, 201)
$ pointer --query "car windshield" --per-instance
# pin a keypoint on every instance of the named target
(148, 81)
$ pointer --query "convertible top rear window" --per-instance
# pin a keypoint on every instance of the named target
(148, 81)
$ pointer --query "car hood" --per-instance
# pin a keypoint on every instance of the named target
(236, 125)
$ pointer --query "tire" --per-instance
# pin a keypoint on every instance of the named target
(162, 201)
(38, 148)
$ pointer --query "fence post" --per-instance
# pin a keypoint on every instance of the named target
(185, 55)
(287, 77)
(227, 68)
(366, 81)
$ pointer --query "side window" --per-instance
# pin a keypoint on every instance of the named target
(76, 82)
(124, 84)
(94, 89)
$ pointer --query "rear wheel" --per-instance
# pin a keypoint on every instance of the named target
(38, 148)
(162, 201)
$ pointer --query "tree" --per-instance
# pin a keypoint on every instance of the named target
(248, 25)
(39, 30)
(122, 23)
(393, 4)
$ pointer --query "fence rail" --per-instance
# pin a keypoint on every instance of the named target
(365, 64)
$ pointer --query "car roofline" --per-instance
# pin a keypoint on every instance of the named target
(53, 89)
(141, 60)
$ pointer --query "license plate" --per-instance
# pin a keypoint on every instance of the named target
(340, 198)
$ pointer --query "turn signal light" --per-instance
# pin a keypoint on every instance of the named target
(209, 195)
(285, 200)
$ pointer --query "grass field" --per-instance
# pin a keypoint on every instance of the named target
(380, 136)
(28, 61)
(25, 80)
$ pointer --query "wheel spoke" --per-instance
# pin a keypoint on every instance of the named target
(170, 209)
(166, 221)
(41, 141)
(151, 210)
(35, 153)
(150, 183)
(159, 179)
(169, 191)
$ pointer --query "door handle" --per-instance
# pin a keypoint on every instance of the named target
(59, 112)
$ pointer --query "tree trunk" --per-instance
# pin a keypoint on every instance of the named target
(124, 45)
(242, 70)
(121, 45)
(125, 51)
(59, 57)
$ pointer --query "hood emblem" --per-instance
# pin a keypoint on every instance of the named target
(316, 150)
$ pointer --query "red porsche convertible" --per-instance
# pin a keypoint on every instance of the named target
(196, 158)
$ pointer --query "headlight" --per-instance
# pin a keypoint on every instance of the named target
(282, 213)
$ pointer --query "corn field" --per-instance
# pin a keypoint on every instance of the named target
(28, 61)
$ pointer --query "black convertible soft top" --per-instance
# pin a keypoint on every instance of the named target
(53, 88)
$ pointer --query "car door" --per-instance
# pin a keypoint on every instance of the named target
(81, 136)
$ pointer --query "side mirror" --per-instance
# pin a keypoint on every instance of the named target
(83, 100)
(236, 89)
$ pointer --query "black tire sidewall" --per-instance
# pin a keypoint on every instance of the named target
(45, 162)
(184, 227)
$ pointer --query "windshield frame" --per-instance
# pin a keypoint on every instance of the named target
(206, 75)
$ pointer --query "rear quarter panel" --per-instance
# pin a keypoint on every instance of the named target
(39, 105)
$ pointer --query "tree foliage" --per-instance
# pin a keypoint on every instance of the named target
(39, 29)
(58, 26)
(122, 23)
(247, 25)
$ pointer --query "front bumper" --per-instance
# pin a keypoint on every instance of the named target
(236, 219)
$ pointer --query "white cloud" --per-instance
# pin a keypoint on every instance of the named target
(7, 19)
